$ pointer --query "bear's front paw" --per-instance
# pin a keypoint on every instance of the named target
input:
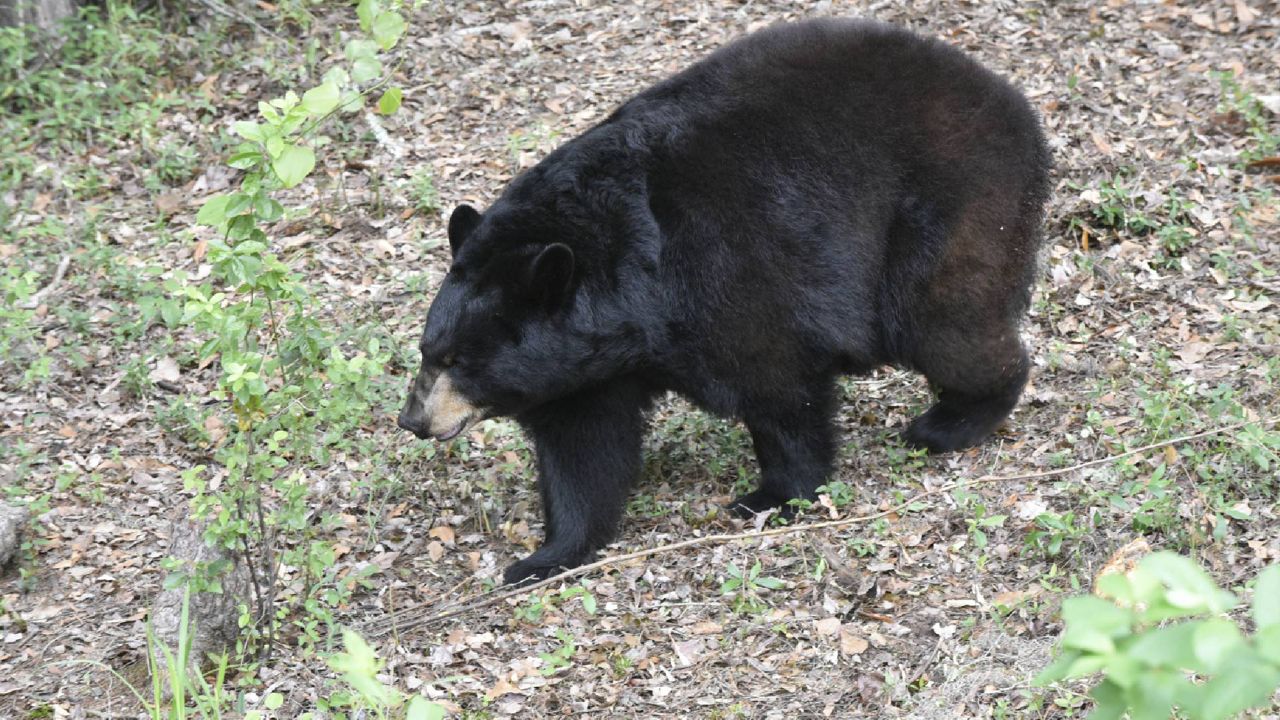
(525, 573)
(758, 501)
(540, 567)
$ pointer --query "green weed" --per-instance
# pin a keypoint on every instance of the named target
(1239, 102)
(744, 589)
(423, 192)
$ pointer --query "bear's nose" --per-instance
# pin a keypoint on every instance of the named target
(413, 425)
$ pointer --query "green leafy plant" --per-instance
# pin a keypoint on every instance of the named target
(982, 519)
(744, 588)
(358, 667)
(293, 387)
(537, 605)
(841, 493)
(562, 657)
(1050, 531)
(1205, 667)
(422, 189)
(1119, 209)
(18, 347)
(1237, 101)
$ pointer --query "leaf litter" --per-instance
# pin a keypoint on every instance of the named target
(912, 616)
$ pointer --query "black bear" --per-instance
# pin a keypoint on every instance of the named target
(817, 198)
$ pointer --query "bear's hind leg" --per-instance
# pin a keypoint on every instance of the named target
(978, 382)
(588, 450)
(795, 449)
(962, 310)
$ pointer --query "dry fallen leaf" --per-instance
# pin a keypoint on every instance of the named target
(827, 627)
(215, 429)
(500, 688)
(166, 370)
(169, 203)
(851, 643)
(1245, 16)
(1125, 558)
(1012, 598)
(689, 651)
(1100, 142)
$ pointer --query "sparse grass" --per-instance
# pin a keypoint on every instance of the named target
(423, 192)
(1239, 104)
(523, 145)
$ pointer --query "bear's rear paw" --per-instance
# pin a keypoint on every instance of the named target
(923, 434)
(945, 428)
(758, 501)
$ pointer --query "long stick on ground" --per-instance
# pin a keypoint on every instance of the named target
(39, 296)
(405, 619)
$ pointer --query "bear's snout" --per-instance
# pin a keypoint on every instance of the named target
(438, 411)
(407, 421)
(412, 418)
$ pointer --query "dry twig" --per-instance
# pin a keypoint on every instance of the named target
(35, 300)
(405, 620)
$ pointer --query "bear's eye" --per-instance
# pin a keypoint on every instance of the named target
(448, 361)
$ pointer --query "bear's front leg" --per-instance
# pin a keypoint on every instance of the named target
(588, 448)
(794, 446)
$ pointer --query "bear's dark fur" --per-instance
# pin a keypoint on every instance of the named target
(818, 198)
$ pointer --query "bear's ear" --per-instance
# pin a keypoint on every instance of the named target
(551, 274)
(463, 220)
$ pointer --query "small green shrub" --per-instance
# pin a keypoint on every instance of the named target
(744, 588)
(294, 388)
(1239, 102)
(422, 188)
(358, 666)
(1207, 668)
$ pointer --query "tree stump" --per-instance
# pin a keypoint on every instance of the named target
(12, 521)
(44, 14)
(212, 617)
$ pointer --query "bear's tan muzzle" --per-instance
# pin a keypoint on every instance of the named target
(443, 413)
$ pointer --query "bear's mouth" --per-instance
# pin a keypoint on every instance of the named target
(457, 430)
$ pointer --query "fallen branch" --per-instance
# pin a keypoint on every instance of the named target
(403, 620)
(230, 12)
(1264, 163)
(35, 300)
(380, 134)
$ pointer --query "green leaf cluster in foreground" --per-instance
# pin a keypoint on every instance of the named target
(1206, 668)
(287, 377)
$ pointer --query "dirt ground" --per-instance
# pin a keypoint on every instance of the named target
(1154, 318)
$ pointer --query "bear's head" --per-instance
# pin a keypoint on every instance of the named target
(502, 334)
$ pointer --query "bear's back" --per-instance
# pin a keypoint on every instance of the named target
(839, 86)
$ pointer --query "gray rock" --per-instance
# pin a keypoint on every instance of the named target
(13, 520)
